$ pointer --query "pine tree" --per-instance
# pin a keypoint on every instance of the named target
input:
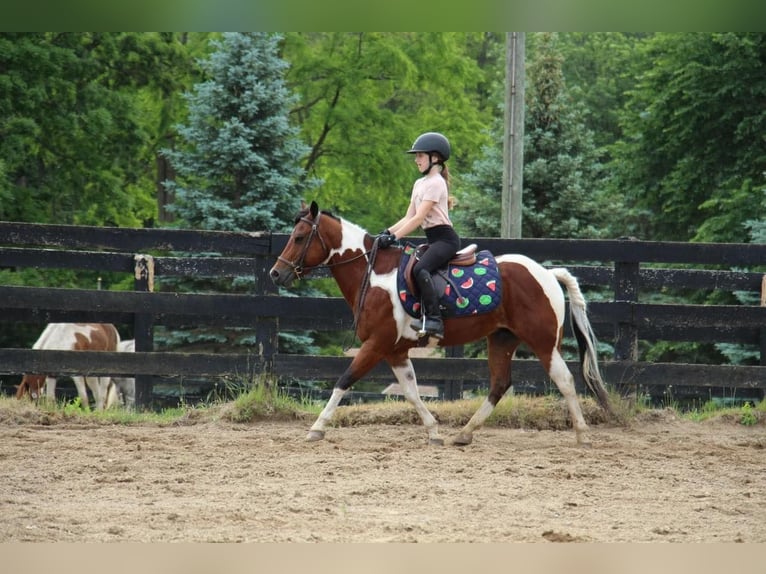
(562, 171)
(239, 167)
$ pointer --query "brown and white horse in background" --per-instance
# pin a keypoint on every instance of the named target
(126, 386)
(532, 312)
(74, 337)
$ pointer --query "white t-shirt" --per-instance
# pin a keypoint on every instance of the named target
(432, 188)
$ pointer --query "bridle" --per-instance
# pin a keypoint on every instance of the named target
(298, 267)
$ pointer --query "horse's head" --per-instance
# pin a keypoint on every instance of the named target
(32, 385)
(306, 248)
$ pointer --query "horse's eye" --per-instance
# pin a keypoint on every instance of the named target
(299, 238)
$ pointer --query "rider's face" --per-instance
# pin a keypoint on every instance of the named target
(421, 160)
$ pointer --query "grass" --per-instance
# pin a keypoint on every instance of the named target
(263, 400)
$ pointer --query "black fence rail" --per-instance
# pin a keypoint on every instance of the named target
(621, 275)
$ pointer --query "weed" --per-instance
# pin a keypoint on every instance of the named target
(74, 407)
(265, 399)
(747, 416)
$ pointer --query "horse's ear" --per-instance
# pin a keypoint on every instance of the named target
(314, 209)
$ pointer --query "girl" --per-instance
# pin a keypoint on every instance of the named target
(429, 209)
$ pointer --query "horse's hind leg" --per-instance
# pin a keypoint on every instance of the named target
(562, 376)
(501, 345)
(405, 374)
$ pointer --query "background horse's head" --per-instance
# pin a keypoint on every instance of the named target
(31, 385)
(306, 248)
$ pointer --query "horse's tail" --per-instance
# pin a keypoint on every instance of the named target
(586, 338)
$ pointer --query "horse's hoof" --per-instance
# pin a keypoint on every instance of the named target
(436, 441)
(462, 440)
(315, 435)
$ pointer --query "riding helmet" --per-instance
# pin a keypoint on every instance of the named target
(432, 142)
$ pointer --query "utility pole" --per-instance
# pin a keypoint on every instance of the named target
(513, 136)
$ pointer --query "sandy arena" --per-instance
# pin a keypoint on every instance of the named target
(659, 480)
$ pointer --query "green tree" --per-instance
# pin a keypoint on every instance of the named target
(693, 157)
(366, 96)
(238, 160)
(563, 180)
(599, 74)
(238, 168)
(70, 135)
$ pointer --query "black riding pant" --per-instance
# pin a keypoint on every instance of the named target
(443, 243)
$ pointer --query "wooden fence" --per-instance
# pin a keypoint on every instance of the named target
(631, 272)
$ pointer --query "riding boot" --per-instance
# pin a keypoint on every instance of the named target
(431, 323)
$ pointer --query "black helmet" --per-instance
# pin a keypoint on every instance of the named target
(431, 142)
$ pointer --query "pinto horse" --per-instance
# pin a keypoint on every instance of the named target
(531, 311)
(74, 337)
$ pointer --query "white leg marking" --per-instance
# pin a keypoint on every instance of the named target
(405, 374)
(565, 383)
(50, 388)
(101, 388)
(79, 382)
(112, 396)
(317, 429)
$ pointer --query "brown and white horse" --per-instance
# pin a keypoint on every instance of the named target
(126, 386)
(75, 337)
(531, 311)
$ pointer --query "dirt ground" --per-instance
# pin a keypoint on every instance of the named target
(659, 480)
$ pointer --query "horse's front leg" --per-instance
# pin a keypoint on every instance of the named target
(405, 374)
(364, 361)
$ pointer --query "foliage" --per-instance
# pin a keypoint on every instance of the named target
(562, 184)
(72, 139)
(597, 69)
(366, 96)
(747, 417)
(264, 400)
(693, 147)
(237, 164)
(238, 169)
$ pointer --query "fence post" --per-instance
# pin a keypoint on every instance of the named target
(626, 278)
(266, 328)
(762, 333)
(453, 389)
(143, 327)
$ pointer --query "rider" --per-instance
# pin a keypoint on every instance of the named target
(429, 209)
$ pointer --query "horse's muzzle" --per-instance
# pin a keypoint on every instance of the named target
(283, 278)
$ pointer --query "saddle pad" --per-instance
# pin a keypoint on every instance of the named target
(467, 289)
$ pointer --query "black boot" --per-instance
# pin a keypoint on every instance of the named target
(431, 323)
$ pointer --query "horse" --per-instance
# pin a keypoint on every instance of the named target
(531, 311)
(74, 337)
(126, 386)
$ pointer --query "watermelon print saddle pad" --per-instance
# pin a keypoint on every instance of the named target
(465, 289)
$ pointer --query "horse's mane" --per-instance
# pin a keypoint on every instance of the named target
(304, 212)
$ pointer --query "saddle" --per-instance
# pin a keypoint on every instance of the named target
(469, 284)
(466, 256)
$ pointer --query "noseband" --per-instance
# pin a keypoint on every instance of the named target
(298, 267)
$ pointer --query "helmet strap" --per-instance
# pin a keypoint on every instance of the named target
(431, 163)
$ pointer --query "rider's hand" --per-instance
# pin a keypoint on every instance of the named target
(385, 239)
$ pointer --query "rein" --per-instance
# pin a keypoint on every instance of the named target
(365, 283)
(299, 269)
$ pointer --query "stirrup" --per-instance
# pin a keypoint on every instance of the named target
(420, 328)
